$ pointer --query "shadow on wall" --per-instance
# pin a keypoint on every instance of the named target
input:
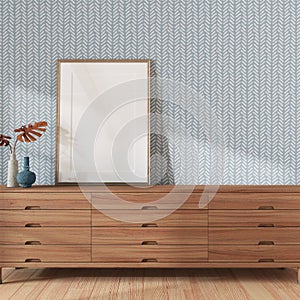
(161, 170)
(179, 146)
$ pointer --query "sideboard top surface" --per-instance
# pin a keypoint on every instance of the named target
(155, 189)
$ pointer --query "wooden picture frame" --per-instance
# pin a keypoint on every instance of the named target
(75, 80)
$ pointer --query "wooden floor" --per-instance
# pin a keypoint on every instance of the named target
(150, 284)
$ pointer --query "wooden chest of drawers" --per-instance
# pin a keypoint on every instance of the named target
(44, 228)
(254, 228)
(242, 226)
(136, 238)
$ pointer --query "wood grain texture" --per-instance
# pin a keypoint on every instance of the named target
(180, 265)
(46, 235)
(255, 201)
(146, 200)
(60, 283)
(44, 201)
(45, 218)
(179, 239)
(35, 287)
(254, 253)
(49, 253)
(18, 279)
(106, 189)
(160, 253)
(253, 236)
(80, 287)
(173, 284)
(254, 218)
(154, 189)
(178, 218)
(161, 235)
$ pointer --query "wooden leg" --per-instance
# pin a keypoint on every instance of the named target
(298, 270)
(1, 273)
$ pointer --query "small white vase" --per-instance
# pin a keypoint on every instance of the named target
(12, 171)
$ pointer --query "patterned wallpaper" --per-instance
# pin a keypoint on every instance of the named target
(225, 104)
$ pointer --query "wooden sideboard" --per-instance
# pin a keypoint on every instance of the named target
(59, 226)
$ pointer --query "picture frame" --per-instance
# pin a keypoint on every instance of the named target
(116, 95)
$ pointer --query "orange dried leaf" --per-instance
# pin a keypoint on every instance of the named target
(27, 133)
(4, 140)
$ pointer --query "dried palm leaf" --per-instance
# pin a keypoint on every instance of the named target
(4, 140)
(27, 133)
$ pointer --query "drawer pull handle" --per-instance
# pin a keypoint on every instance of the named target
(262, 260)
(149, 243)
(266, 208)
(33, 225)
(149, 207)
(33, 243)
(149, 260)
(32, 260)
(266, 243)
(266, 225)
(150, 225)
(32, 207)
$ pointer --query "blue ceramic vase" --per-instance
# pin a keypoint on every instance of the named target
(26, 178)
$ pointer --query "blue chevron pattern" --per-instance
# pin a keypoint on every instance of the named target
(233, 66)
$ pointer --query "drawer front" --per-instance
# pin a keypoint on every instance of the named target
(44, 201)
(180, 218)
(148, 253)
(37, 253)
(255, 201)
(139, 236)
(258, 253)
(46, 235)
(255, 218)
(146, 200)
(40, 218)
(254, 236)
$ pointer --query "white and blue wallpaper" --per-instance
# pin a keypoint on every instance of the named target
(234, 68)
